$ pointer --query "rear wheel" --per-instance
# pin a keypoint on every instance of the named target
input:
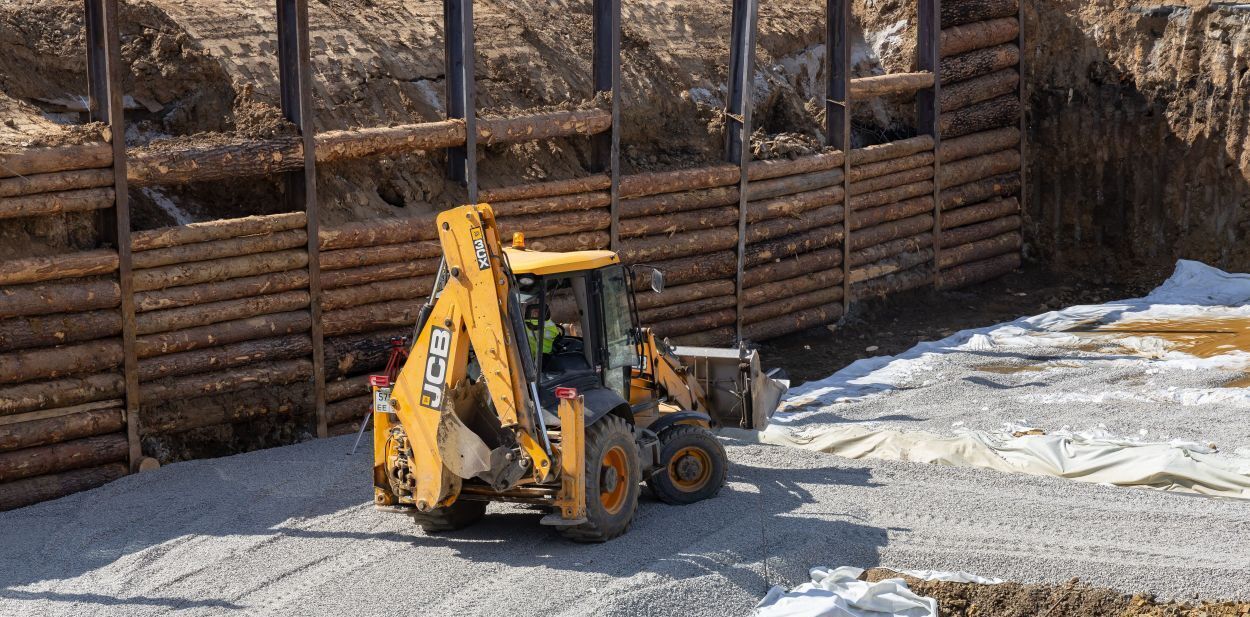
(458, 515)
(693, 468)
(613, 481)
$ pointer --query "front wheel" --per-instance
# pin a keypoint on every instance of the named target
(693, 465)
(460, 514)
(613, 478)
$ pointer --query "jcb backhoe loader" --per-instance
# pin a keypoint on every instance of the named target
(529, 380)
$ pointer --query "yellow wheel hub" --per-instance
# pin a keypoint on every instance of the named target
(690, 469)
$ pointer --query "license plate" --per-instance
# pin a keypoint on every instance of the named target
(382, 400)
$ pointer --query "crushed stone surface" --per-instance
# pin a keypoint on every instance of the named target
(292, 531)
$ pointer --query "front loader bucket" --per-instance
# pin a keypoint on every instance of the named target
(739, 393)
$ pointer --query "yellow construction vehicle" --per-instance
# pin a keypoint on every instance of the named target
(529, 380)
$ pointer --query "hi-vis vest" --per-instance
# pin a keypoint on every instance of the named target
(550, 332)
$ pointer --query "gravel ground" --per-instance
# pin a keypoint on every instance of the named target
(291, 531)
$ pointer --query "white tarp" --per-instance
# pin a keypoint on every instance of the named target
(937, 382)
(840, 593)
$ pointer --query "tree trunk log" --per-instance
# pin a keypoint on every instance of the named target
(891, 166)
(976, 251)
(892, 265)
(983, 88)
(599, 182)
(56, 182)
(655, 248)
(385, 254)
(225, 357)
(58, 329)
(802, 320)
(789, 246)
(584, 241)
(179, 416)
(891, 195)
(547, 125)
(554, 204)
(793, 205)
(43, 488)
(885, 250)
(372, 233)
(980, 231)
(778, 227)
(979, 271)
(800, 265)
(891, 284)
(84, 200)
(373, 274)
(232, 380)
(224, 333)
(891, 150)
(979, 62)
(348, 388)
(886, 232)
(53, 362)
(210, 231)
(656, 183)
(960, 12)
(978, 35)
(350, 410)
(381, 291)
(790, 305)
(669, 203)
(698, 268)
(895, 180)
(893, 212)
(60, 393)
(215, 270)
(781, 289)
(766, 170)
(720, 337)
(683, 293)
(232, 289)
(71, 265)
(886, 85)
(185, 161)
(333, 146)
(695, 307)
(76, 454)
(985, 211)
(667, 224)
(47, 431)
(218, 249)
(695, 322)
(360, 353)
(371, 317)
(216, 312)
(790, 185)
(987, 142)
(33, 161)
(995, 113)
(979, 167)
(555, 224)
(975, 192)
(22, 300)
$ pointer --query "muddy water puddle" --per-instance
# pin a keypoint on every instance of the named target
(1198, 337)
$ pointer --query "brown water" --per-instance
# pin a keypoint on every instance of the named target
(1202, 338)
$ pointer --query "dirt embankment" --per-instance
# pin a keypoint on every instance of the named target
(1139, 131)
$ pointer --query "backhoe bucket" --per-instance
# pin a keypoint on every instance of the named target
(739, 392)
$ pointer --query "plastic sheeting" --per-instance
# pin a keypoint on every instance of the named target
(840, 593)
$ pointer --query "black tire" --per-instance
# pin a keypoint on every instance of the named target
(458, 515)
(611, 496)
(693, 465)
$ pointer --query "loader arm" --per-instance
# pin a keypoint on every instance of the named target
(471, 309)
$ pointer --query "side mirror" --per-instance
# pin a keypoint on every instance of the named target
(657, 280)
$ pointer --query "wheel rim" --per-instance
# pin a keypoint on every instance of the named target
(690, 469)
(613, 479)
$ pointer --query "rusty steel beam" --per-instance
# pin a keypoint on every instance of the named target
(606, 147)
(461, 86)
(838, 118)
(929, 111)
(738, 127)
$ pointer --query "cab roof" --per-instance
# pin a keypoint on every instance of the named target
(544, 263)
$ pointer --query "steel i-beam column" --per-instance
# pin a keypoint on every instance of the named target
(295, 83)
(461, 102)
(928, 110)
(738, 124)
(838, 118)
(606, 147)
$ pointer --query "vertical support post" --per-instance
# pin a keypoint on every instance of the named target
(104, 73)
(738, 125)
(838, 118)
(295, 83)
(606, 147)
(461, 87)
(929, 111)
(1022, 92)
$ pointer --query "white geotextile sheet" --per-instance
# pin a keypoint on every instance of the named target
(1194, 291)
(840, 593)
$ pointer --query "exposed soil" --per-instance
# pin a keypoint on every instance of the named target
(1074, 599)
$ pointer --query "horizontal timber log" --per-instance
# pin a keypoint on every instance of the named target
(544, 125)
(984, 211)
(31, 161)
(584, 241)
(554, 224)
(216, 312)
(789, 268)
(335, 279)
(82, 200)
(777, 168)
(1000, 112)
(784, 226)
(977, 35)
(885, 232)
(979, 271)
(695, 322)
(893, 212)
(683, 270)
(345, 428)
(891, 150)
(656, 248)
(885, 286)
(885, 250)
(980, 190)
(347, 388)
(979, 167)
(380, 291)
(224, 333)
(354, 354)
(684, 293)
(980, 231)
(379, 231)
(694, 307)
(343, 145)
(230, 380)
(656, 183)
(209, 231)
(979, 62)
(894, 180)
(51, 486)
(971, 91)
(64, 456)
(371, 317)
(778, 289)
(343, 259)
(676, 222)
(47, 431)
(349, 410)
(669, 203)
(1009, 242)
(64, 392)
(74, 296)
(556, 203)
(218, 249)
(891, 265)
(960, 12)
(885, 85)
(891, 166)
(719, 337)
(56, 182)
(58, 329)
(891, 195)
(53, 267)
(789, 246)
(225, 356)
(553, 188)
(959, 148)
(178, 416)
(232, 289)
(790, 305)
(802, 320)
(53, 362)
(215, 270)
